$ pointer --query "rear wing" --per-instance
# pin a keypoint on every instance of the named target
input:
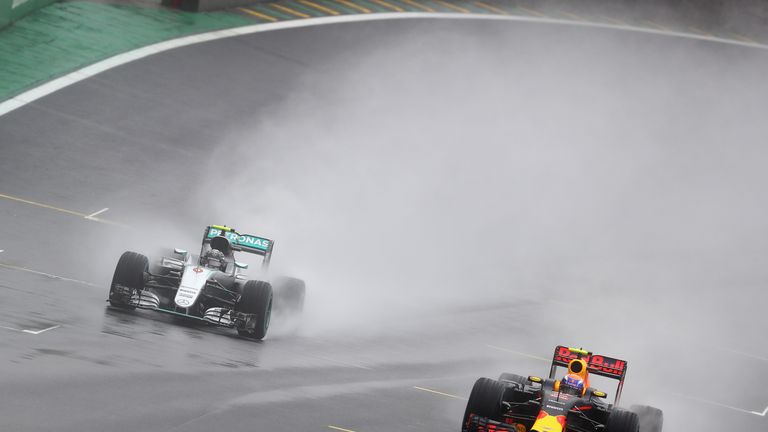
(241, 242)
(596, 364)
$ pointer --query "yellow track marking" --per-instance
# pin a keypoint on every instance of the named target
(389, 5)
(452, 6)
(570, 15)
(439, 393)
(49, 207)
(611, 20)
(491, 8)
(289, 10)
(656, 26)
(353, 6)
(258, 14)
(742, 38)
(518, 353)
(699, 31)
(61, 210)
(319, 7)
(418, 6)
(340, 429)
(531, 11)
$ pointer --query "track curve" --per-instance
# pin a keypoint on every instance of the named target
(452, 190)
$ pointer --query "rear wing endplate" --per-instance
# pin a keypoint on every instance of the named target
(601, 365)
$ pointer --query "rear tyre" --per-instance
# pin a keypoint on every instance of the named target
(129, 273)
(289, 294)
(256, 301)
(620, 420)
(651, 419)
(484, 400)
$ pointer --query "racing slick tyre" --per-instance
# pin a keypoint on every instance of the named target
(484, 400)
(129, 273)
(620, 420)
(256, 300)
(651, 419)
(289, 294)
(513, 378)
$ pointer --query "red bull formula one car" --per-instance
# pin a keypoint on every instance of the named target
(515, 403)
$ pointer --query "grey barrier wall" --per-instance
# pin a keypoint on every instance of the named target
(719, 16)
(743, 16)
(11, 10)
(705, 15)
(205, 5)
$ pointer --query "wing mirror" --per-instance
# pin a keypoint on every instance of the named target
(241, 265)
(178, 251)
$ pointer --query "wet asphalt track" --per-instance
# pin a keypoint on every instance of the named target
(110, 140)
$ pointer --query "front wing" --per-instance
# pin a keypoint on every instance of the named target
(476, 423)
(145, 299)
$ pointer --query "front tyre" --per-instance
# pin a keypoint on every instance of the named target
(128, 278)
(256, 302)
(521, 381)
(484, 400)
(620, 420)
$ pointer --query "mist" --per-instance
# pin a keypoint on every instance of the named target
(440, 169)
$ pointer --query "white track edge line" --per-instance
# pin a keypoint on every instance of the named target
(11, 329)
(48, 275)
(139, 53)
(37, 332)
(722, 405)
(530, 356)
(94, 214)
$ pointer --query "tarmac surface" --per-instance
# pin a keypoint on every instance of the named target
(125, 141)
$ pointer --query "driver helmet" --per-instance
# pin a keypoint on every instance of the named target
(572, 384)
(214, 258)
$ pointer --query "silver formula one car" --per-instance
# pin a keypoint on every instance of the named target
(210, 287)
